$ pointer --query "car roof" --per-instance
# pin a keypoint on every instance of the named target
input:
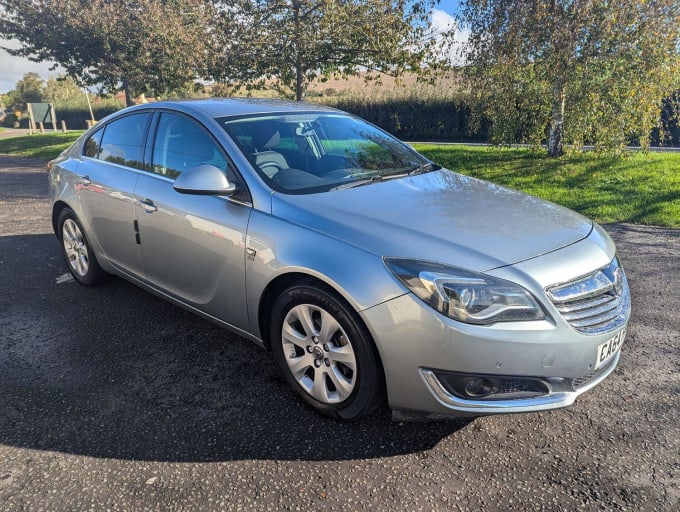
(223, 107)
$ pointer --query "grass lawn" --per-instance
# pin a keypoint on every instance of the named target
(42, 145)
(639, 188)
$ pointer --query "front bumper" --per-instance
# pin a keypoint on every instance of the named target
(418, 346)
(556, 397)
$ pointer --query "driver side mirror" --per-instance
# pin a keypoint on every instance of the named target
(204, 180)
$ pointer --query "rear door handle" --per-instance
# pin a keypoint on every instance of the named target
(148, 205)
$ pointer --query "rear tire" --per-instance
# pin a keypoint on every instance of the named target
(325, 353)
(77, 251)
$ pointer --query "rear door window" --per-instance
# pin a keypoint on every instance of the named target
(123, 140)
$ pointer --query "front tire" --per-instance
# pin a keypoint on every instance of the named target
(325, 353)
(77, 251)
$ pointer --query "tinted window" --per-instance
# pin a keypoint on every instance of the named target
(93, 144)
(180, 144)
(123, 141)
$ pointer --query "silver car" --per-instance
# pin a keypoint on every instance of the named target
(371, 273)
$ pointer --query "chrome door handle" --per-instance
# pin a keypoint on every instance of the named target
(83, 179)
(148, 205)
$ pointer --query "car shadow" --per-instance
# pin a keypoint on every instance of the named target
(112, 371)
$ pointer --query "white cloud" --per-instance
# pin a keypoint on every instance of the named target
(442, 21)
(12, 69)
(442, 24)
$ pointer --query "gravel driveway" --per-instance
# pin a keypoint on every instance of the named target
(111, 398)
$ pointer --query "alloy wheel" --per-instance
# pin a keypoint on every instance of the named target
(319, 353)
(75, 247)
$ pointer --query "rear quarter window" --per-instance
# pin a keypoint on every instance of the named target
(93, 144)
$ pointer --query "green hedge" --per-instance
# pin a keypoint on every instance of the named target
(442, 118)
(409, 118)
(427, 119)
(75, 117)
(9, 120)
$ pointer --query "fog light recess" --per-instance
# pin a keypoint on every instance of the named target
(492, 387)
(477, 387)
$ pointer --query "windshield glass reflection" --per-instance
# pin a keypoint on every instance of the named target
(315, 152)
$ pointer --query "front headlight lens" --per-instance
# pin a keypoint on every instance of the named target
(466, 296)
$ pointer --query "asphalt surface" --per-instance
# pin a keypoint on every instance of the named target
(112, 399)
(7, 133)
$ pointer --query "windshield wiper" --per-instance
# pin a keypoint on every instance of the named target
(359, 183)
(427, 167)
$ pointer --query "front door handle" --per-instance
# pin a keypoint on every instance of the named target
(148, 205)
(83, 179)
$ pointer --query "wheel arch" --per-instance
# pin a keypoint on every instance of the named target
(280, 283)
(284, 281)
(276, 287)
(57, 208)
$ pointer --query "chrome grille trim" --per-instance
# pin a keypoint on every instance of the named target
(596, 303)
(595, 321)
(592, 285)
(589, 310)
(586, 304)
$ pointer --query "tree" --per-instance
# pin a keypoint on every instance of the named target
(145, 46)
(30, 89)
(292, 42)
(63, 89)
(586, 70)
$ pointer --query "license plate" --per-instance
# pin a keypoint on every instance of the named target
(608, 349)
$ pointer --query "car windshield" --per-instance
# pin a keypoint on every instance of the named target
(299, 153)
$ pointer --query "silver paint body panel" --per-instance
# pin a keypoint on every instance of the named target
(193, 248)
(109, 201)
(439, 216)
(408, 331)
(192, 251)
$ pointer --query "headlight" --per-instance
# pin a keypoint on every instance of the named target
(466, 296)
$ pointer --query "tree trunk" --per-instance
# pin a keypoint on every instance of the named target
(299, 71)
(299, 83)
(555, 147)
(128, 96)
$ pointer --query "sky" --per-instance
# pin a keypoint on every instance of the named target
(13, 68)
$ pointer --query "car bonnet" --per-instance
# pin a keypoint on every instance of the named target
(440, 216)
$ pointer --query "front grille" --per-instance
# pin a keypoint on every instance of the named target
(595, 303)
